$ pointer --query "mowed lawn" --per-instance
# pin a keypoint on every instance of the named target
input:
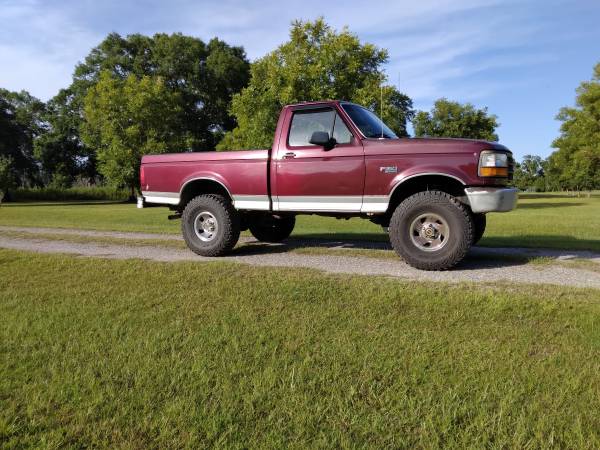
(138, 354)
(553, 221)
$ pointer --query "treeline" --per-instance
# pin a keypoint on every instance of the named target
(129, 96)
(171, 93)
(575, 164)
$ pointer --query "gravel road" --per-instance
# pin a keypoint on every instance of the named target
(482, 264)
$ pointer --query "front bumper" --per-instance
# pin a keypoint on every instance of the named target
(483, 200)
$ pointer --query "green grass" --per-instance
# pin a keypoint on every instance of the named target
(138, 354)
(551, 221)
(88, 215)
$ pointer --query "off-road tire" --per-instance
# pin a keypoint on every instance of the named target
(459, 223)
(268, 228)
(227, 218)
(479, 222)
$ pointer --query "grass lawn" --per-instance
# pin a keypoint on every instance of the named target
(553, 221)
(139, 354)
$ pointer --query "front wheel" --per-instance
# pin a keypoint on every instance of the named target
(210, 225)
(268, 228)
(431, 230)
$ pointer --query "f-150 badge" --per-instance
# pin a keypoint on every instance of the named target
(388, 169)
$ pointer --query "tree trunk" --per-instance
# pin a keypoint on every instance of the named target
(132, 196)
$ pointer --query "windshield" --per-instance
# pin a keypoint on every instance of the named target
(368, 123)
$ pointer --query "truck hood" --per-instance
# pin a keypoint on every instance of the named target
(459, 141)
(429, 145)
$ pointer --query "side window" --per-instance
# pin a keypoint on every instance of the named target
(341, 133)
(305, 123)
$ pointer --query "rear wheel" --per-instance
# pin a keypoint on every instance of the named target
(210, 225)
(431, 230)
(479, 222)
(268, 228)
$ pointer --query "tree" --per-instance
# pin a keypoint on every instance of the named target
(6, 175)
(60, 152)
(20, 124)
(204, 76)
(452, 119)
(125, 119)
(316, 63)
(577, 159)
(530, 174)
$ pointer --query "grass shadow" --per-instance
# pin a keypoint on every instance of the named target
(541, 205)
(555, 242)
(525, 195)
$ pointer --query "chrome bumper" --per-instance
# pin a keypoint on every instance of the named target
(484, 200)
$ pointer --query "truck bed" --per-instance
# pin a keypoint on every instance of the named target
(242, 172)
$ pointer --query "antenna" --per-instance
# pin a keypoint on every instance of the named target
(381, 108)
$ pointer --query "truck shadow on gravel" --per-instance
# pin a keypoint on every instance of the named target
(478, 257)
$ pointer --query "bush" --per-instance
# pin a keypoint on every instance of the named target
(69, 194)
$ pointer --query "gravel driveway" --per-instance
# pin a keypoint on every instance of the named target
(482, 264)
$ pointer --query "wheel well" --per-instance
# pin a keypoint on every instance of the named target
(198, 187)
(422, 183)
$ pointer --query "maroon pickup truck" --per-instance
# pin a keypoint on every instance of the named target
(337, 159)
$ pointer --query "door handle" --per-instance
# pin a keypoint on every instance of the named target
(289, 155)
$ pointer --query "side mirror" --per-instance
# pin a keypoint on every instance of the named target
(322, 139)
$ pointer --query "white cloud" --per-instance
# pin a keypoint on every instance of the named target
(39, 48)
(430, 42)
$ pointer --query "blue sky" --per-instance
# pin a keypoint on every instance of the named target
(521, 59)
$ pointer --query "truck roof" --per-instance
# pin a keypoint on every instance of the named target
(320, 102)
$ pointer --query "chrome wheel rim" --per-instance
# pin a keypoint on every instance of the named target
(206, 226)
(429, 232)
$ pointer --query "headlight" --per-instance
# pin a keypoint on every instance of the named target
(493, 164)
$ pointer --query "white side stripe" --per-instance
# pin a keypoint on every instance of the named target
(254, 202)
(342, 203)
(375, 203)
(165, 198)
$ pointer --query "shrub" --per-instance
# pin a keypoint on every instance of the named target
(70, 194)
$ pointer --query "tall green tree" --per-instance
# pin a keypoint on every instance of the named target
(577, 159)
(20, 124)
(125, 119)
(316, 63)
(456, 120)
(60, 152)
(203, 75)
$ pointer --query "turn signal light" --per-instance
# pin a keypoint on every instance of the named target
(493, 171)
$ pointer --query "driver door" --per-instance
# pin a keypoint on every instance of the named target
(310, 178)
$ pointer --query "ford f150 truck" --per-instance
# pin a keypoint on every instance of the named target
(337, 159)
